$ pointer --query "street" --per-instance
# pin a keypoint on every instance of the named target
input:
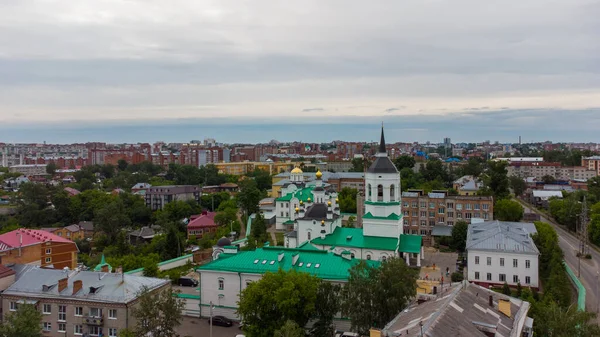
(589, 268)
(196, 327)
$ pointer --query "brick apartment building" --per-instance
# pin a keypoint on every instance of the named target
(421, 212)
(591, 163)
(538, 170)
(157, 197)
(79, 303)
(37, 247)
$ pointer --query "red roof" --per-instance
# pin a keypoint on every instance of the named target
(72, 191)
(202, 220)
(5, 271)
(29, 237)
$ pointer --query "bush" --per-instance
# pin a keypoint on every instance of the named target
(457, 277)
(588, 256)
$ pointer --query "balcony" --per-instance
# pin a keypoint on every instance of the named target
(93, 320)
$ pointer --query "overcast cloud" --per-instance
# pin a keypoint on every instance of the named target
(86, 62)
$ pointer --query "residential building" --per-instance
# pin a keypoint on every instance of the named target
(541, 198)
(37, 247)
(71, 232)
(421, 212)
(463, 310)
(231, 271)
(244, 167)
(140, 188)
(591, 163)
(202, 224)
(502, 252)
(85, 303)
(467, 185)
(338, 166)
(88, 229)
(144, 234)
(157, 197)
(29, 170)
(538, 170)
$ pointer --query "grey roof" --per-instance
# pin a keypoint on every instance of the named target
(462, 309)
(86, 225)
(292, 234)
(500, 236)
(410, 194)
(316, 211)
(140, 186)
(441, 230)
(546, 194)
(144, 232)
(436, 195)
(382, 165)
(116, 288)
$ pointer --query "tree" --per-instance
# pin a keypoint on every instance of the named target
(498, 179)
(405, 161)
(434, 170)
(150, 269)
(508, 210)
(111, 218)
(552, 320)
(373, 296)
(347, 200)
(259, 235)
(518, 185)
(548, 179)
(290, 329)
(158, 313)
(122, 164)
(594, 187)
(459, 236)
(266, 305)
(262, 178)
(506, 289)
(474, 167)
(25, 322)
(51, 168)
(248, 196)
(326, 308)
(351, 222)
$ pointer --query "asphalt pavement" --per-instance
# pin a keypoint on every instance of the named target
(587, 270)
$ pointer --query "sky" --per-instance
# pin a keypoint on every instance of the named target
(311, 70)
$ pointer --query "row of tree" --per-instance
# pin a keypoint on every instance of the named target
(371, 298)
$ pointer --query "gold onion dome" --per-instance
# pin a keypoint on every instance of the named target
(329, 203)
(309, 199)
(319, 174)
(297, 209)
(322, 222)
(297, 170)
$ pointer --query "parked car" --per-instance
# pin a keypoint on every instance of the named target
(346, 334)
(221, 321)
(187, 282)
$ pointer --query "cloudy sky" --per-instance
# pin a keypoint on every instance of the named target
(127, 70)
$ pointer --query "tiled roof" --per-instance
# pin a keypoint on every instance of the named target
(355, 238)
(323, 264)
(111, 287)
(29, 237)
(500, 236)
(203, 221)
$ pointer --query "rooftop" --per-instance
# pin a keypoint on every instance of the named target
(27, 237)
(463, 311)
(36, 282)
(355, 238)
(203, 220)
(500, 236)
(323, 264)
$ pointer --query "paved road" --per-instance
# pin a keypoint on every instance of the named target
(589, 268)
(195, 327)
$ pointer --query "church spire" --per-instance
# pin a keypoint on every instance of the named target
(382, 142)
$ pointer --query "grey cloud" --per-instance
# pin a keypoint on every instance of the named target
(312, 109)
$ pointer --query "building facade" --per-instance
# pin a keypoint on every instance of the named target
(536, 169)
(79, 303)
(591, 163)
(157, 197)
(37, 247)
(29, 169)
(202, 224)
(502, 252)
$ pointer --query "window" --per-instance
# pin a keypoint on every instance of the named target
(489, 276)
(485, 206)
(432, 214)
(369, 191)
(476, 207)
(527, 264)
(451, 214)
(368, 256)
(221, 284)
(48, 251)
(501, 262)
(489, 261)
(468, 207)
(468, 216)
(476, 259)
(78, 329)
(527, 280)
(13, 306)
(432, 205)
(458, 207)
(47, 326)
(95, 312)
(515, 263)
(485, 216)
(281, 213)
(379, 192)
(441, 210)
(62, 327)
(423, 204)
(112, 313)
(62, 313)
(459, 215)
(477, 214)
(477, 275)
(392, 193)
(405, 222)
(248, 283)
(515, 278)
(405, 204)
(78, 311)
(308, 235)
(450, 223)
(450, 205)
(48, 260)
(95, 330)
(112, 332)
(68, 234)
(414, 204)
(502, 277)
(47, 309)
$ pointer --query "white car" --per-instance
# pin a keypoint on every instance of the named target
(240, 336)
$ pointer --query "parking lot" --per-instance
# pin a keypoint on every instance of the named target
(196, 327)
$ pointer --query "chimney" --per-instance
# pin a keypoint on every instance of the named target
(63, 284)
(77, 286)
(280, 256)
(104, 269)
(119, 270)
(491, 301)
(295, 258)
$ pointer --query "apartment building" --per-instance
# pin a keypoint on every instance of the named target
(79, 303)
(37, 247)
(591, 163)
(422, 211)
(540, 169)
(241, 168)
(29, 169)
(157, 197)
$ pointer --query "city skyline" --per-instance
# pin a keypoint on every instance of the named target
(148, 61)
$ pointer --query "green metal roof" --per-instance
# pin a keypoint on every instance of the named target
(410, 243)
(102, 264)
(392, 216)
(302, 194)
(289, 222)
(381, 203)
(354, 237)
(322, 264)
(308, 246)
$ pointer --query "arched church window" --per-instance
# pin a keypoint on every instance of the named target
(370, 191)
(383, 258)
(308, 234)
(352, 255)
(379, 192)
(368, 256)
(392, 193)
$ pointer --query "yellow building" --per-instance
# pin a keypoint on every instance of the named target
(245, 167)
(72, 232)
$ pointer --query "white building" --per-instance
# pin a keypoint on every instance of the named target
(500, 252)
